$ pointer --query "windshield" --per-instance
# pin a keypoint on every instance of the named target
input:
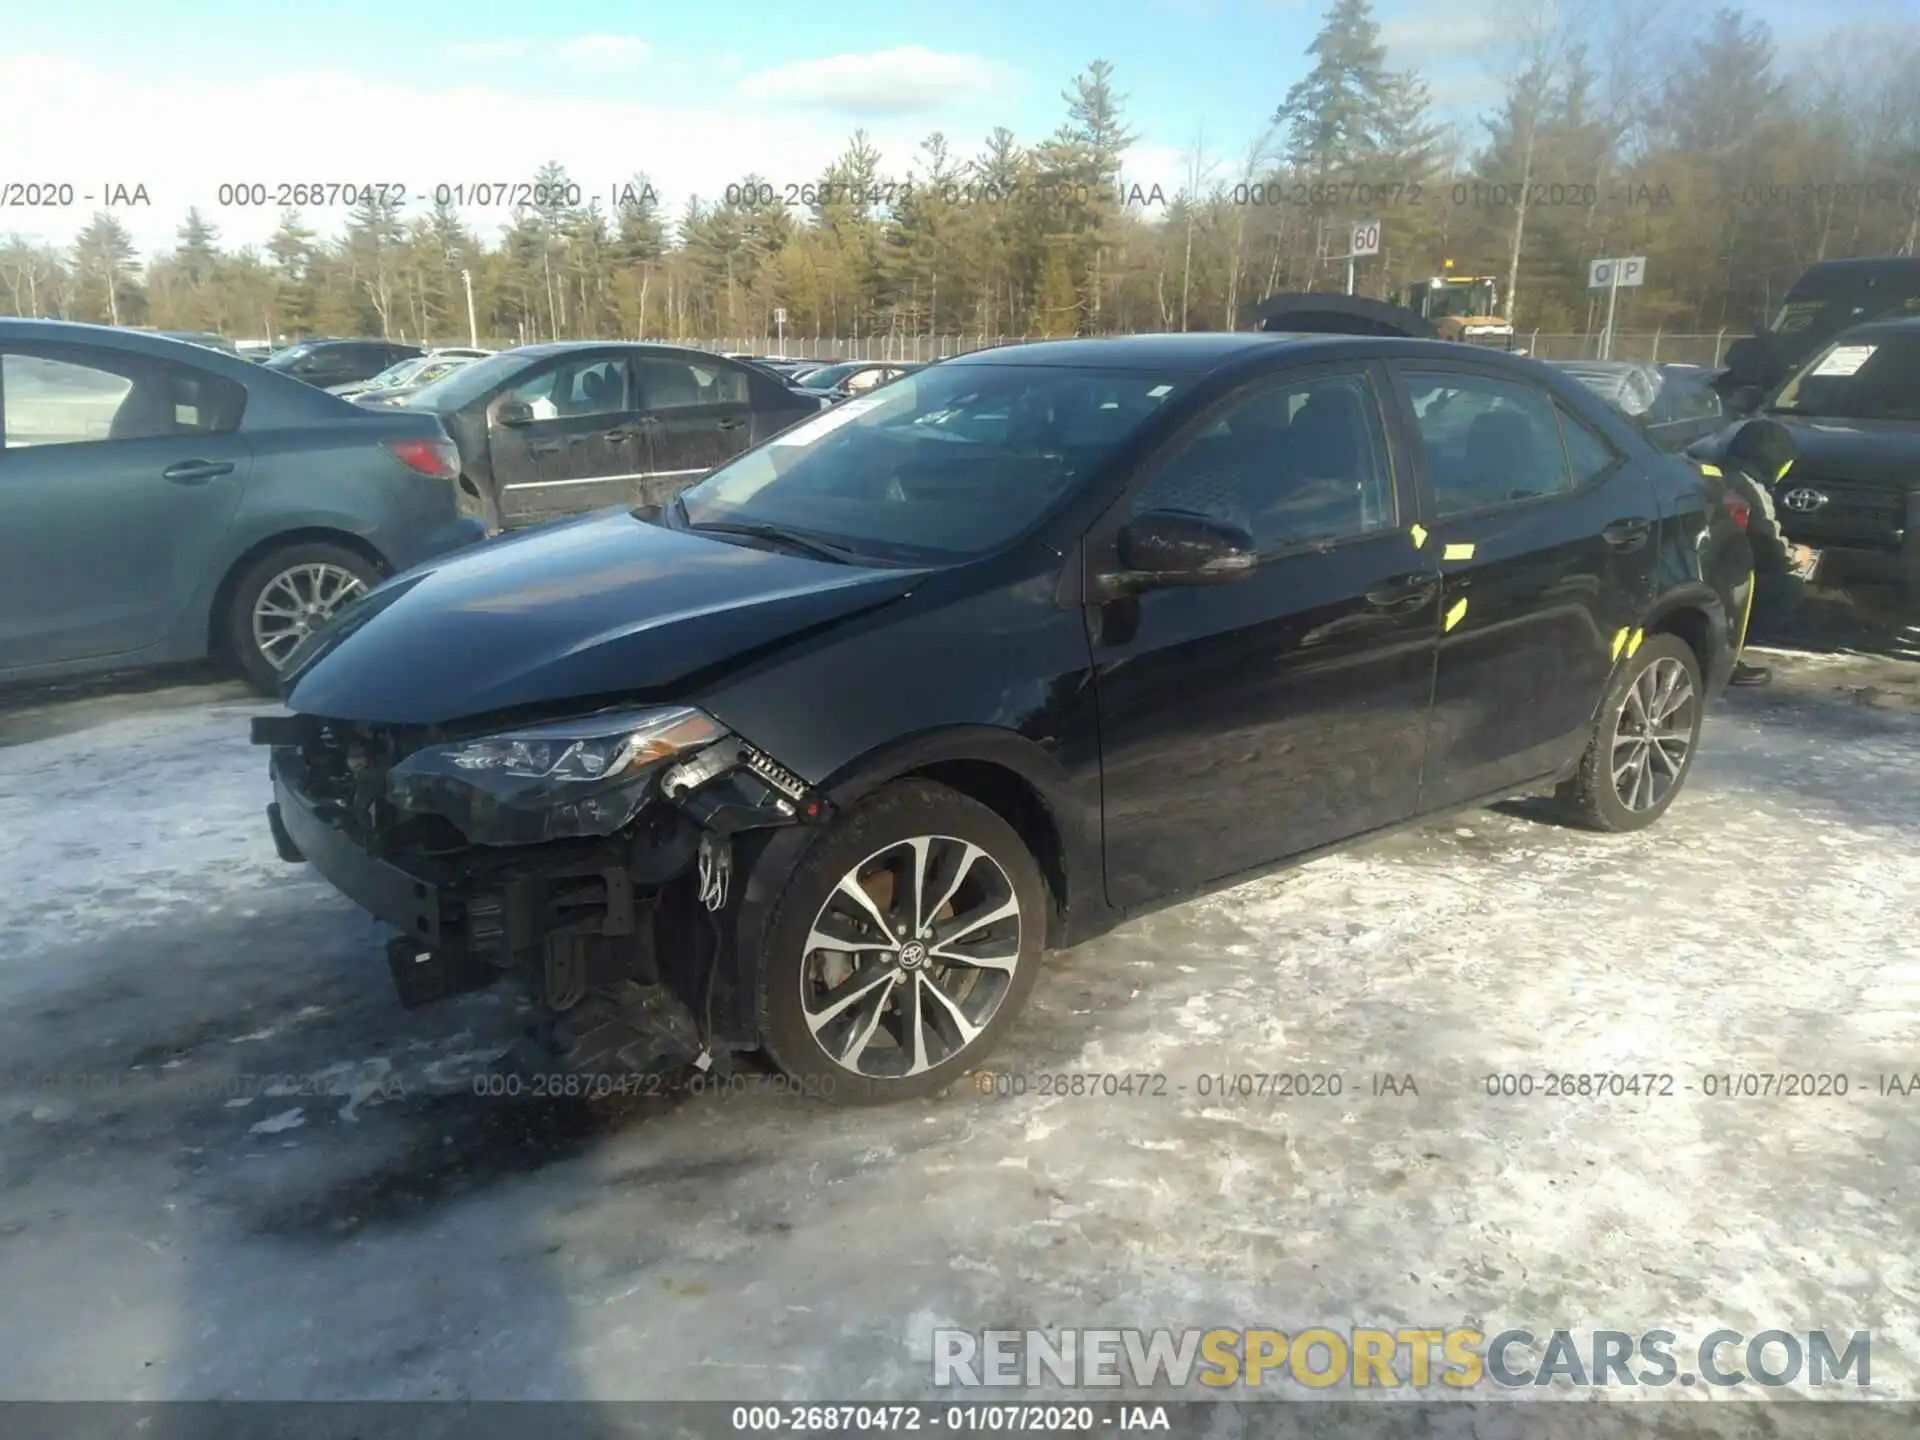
(397, 374)
(288, 355)
(1875, 377)
(939, 466)
(466, 383)
(827, 378)
(1460, 300)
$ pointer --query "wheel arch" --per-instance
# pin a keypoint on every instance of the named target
(1010, 775)
(282, 540)
(1697, 617)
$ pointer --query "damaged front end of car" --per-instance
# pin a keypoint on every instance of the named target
(593, 856)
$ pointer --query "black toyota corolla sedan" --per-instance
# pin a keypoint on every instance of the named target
(821, 757)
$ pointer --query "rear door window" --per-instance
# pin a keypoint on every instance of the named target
(70, 396)
(1489, 442)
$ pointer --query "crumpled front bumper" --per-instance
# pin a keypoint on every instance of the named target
(408, 899)
(466, 916)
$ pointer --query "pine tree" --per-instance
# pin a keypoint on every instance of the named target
(108, 270)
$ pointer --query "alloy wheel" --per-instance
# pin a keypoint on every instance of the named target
(295, 603)
(910, 957)
(1654, 734)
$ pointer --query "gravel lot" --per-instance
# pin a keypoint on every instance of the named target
(170, 1227)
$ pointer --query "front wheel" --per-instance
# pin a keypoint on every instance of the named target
(903, 945)
(285, 596)
(1643, 741)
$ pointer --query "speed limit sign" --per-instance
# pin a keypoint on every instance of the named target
(1366, 238)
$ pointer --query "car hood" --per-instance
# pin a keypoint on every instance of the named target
(1875, 451)
(599, 606)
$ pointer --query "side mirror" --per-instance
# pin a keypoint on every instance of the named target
(1168, 547)
(514, 412)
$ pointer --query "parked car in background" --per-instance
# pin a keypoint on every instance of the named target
(323, 363)
(1852, 410)
(820, 758)
(560, 428)
(163, 502)
(1675, 404)
(394, 394)
(408, 374)
(854, 377)
(1829, 297)
(253, 349)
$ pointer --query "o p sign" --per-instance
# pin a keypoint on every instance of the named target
(1619, 271)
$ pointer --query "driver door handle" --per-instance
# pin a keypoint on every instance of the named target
(1403, 590)
(733, 424)
(196, 472)
(1628, 534)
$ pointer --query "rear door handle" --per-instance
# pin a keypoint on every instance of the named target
(549, 447)
(623, 433)
(728, 424)
(1627, 534)
(196, 472)
(1402, 590)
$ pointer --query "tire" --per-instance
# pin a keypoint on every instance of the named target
(994, 869)
(1592, 797)
(298, 566)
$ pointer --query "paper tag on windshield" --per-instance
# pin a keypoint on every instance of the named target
(808, 431)
(1845, 359)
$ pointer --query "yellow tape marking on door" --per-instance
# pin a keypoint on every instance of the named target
(1619, 643)
(1453, 615)
(1709, 469)
(1634, 643)
(1419, 534)
(1457, 552)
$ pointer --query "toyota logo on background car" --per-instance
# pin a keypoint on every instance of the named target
(1803, 498)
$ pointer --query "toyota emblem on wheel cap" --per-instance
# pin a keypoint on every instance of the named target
(1803, 498)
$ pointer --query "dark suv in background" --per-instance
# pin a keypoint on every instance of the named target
(339, 362)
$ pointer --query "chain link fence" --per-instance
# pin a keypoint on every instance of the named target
(1663, 347)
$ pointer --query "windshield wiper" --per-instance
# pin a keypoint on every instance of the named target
(778, 535)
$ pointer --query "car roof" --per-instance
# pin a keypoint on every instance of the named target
(161, 345)
(1203, 352)
(1890, 325)
(646, 347)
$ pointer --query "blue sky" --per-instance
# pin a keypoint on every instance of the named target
(185, 94)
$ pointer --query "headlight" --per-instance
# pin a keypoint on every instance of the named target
(589, 776)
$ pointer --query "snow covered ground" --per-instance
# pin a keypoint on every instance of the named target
(231, 1166)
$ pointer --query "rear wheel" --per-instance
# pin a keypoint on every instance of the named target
(902, 947)
(285, 596)
(1643, 741)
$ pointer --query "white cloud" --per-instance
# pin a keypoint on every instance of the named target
(905, 81)
(1464, 30)
(484, 50)
(606, 54)
(94, 127)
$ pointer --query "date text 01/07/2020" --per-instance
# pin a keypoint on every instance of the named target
(395, 194)
(1275, 1086)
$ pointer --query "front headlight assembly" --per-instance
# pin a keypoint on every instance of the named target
(574, 778)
